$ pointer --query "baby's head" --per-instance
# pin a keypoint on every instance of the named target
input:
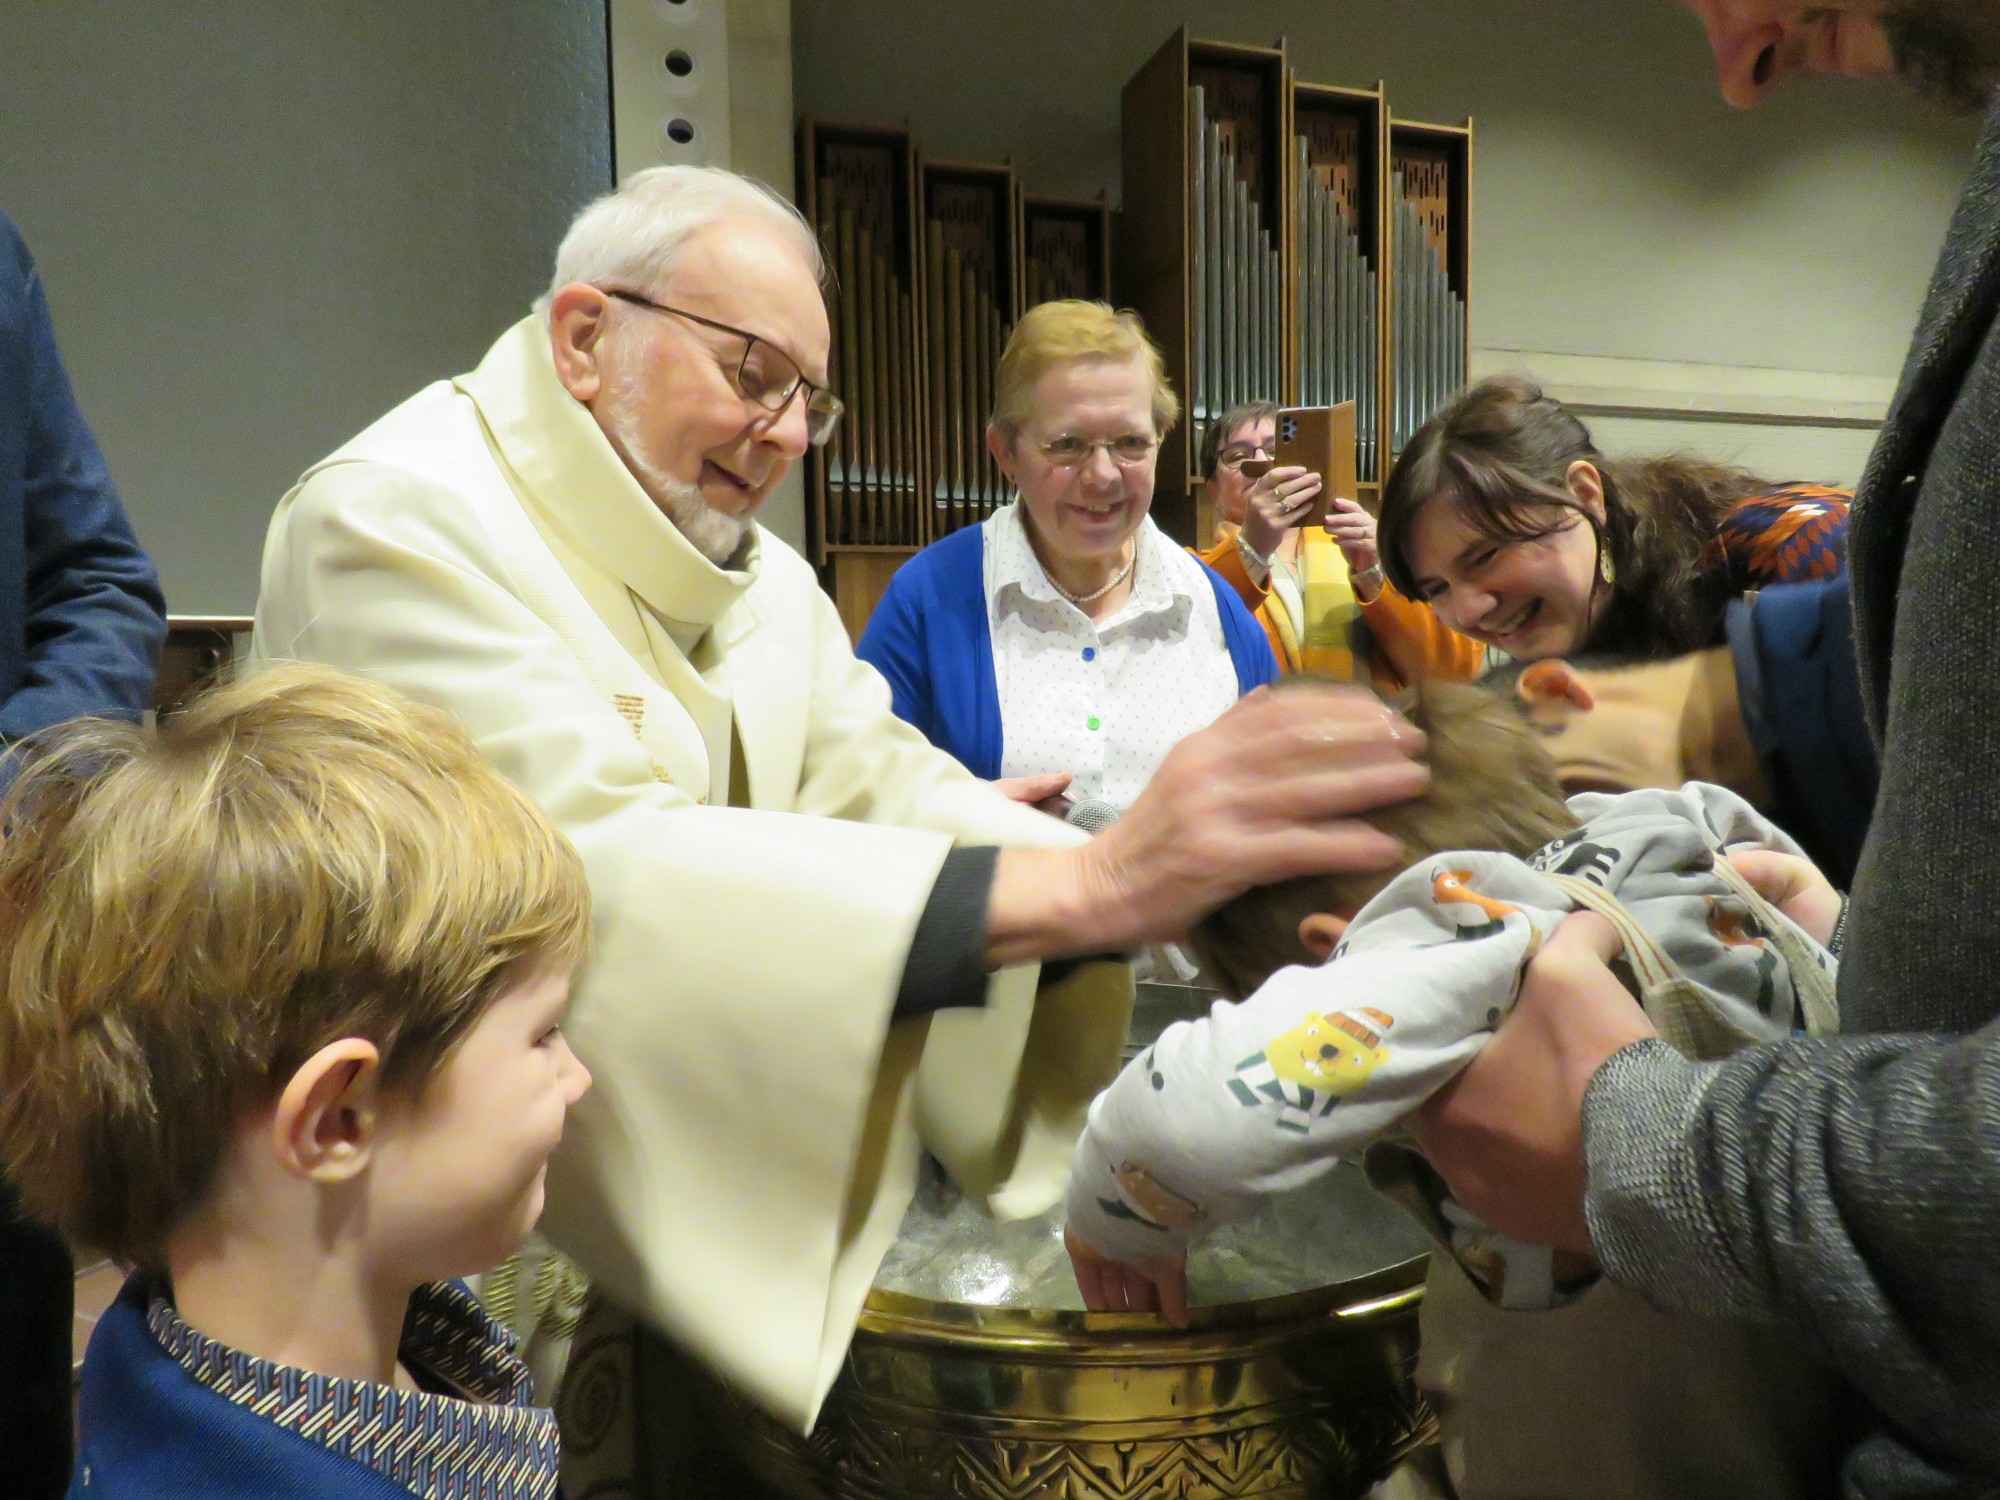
(301, 951)
(1492, 787)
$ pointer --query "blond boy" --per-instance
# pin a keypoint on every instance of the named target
(282, 996)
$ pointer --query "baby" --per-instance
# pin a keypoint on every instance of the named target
(1359, 996)
(281, 1031)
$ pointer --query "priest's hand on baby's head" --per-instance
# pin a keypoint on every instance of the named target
(1267, 792)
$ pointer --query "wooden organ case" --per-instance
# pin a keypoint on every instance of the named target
(1289, 241)
(1430, 227)
(929, 269)
(973, 276)
(866, 490)
(1283, 240)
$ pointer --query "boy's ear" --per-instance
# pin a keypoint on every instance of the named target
(324, 1127)
(1555, 681)
(1320, 933)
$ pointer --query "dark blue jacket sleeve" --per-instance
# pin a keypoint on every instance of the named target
(81, 617)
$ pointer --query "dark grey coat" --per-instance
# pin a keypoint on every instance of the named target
(1852, 1187)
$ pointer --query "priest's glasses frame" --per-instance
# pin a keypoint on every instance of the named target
(766, 375)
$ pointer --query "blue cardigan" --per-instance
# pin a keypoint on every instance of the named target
(930, 637)
(81, 619)
(151, 1431)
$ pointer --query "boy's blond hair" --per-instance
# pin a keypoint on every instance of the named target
(187, 916)
(1053, 333)
(1493, 786)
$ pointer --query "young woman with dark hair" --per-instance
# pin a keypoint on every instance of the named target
(1502, 514)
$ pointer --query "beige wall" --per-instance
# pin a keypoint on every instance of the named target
(263, 224)
(1622, 213)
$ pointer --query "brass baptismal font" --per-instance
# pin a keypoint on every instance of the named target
(976, 1375)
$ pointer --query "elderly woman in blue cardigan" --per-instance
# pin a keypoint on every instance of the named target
(1066, 636)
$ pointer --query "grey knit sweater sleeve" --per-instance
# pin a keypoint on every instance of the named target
(1848, 1186)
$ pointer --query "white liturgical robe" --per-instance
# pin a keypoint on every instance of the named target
(751, 1142)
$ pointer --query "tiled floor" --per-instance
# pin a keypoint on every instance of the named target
(96, 1285)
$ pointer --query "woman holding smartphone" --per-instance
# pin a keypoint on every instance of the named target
(1317, 589)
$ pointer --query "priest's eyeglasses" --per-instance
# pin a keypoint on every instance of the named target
(765, 374)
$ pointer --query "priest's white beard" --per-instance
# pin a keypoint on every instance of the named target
(715, 534)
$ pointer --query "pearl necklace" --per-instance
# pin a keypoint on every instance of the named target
(1091, 598)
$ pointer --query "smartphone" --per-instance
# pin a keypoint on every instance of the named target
(1319, 438)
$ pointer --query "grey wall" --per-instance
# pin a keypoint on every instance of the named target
(1622, 212)
(264, 222)
(261, 224)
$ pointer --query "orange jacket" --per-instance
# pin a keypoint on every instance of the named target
(1407, 639)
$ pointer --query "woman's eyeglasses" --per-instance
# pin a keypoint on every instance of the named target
(1073, 452)
(1234, 458)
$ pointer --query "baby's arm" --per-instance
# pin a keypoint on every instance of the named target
(1263, 1096)
(1158, 1285)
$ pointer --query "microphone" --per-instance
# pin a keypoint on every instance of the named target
(1093, 815)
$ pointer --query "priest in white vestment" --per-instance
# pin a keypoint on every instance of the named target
(817, 938)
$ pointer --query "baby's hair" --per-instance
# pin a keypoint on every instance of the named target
(186, 916)
(1492, 787)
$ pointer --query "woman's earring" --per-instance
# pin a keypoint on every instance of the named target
(1606, 568)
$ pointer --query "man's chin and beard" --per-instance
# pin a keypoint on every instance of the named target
(1947, 50)
(716, 535)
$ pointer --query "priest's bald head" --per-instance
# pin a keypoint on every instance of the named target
(686, 314)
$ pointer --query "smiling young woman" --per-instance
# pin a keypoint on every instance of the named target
(1503, 516)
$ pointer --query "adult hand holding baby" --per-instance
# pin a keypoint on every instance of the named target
(1043, 791)
(1269, 791)
(1507, 1132)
